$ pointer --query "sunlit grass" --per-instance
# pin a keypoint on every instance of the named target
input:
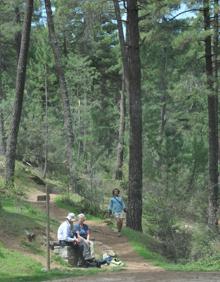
(141, 242)
(15, 266)
(72, 203)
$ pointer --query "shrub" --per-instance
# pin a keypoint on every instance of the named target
(173, 240)
(205, 243)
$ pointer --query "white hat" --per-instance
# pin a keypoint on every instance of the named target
(70, 216)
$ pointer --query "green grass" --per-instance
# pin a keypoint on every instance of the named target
(72, 204)
(15, 266)
(16, 216)
(140, 243)
(27, 217)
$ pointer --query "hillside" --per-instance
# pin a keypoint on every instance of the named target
(20, 214)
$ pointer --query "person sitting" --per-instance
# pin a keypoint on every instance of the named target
(66, 237)
(83, 233)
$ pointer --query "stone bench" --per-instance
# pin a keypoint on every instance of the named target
(67, 253)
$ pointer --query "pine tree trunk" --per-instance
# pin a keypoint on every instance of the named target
(134, 215)
(20, 84)
(64, 93)
(2, 135)
(2, 125)
(124, 90)
(18, 33)
(120, 147)
(212, 125)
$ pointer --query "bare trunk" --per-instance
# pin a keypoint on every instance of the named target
(124, 90)
(120, 148)
(2, 135)
(2, 125)
(212, 125)
(65, 49)
(134, 215)
(163, 90)
(64, 93)
(18, 33)
(20, 84)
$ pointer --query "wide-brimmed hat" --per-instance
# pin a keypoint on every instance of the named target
(71, 216)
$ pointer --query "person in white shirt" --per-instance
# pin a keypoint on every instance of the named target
(66, 237)
(65, 232)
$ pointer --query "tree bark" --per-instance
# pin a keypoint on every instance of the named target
(212, 124)
(134, 215)
(124, 90)
(20, 84)
(120, 147)
(64, 93)
(2, 125)
(18, 33)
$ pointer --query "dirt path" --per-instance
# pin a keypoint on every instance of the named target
(148, 277)
(103, 236)
(136, 269)
(107, 239)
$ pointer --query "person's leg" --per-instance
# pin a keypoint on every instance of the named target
(119, 222)
(86, 249)
(92, 251)
(79, 255)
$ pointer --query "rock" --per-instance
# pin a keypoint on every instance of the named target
(68, 254)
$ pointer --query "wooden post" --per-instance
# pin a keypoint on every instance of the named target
(45, 172)
(48, 227)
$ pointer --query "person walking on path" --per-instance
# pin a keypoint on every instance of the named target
(117, 209)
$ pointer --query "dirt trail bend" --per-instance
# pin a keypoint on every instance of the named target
(136, 269)
(104, 238)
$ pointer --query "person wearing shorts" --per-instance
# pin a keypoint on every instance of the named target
(117, 209)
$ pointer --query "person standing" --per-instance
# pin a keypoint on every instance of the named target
(117, 209)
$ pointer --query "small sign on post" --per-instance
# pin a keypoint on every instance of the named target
(42, 198)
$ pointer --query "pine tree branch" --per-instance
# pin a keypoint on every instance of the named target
(144, 17)
(184, 12)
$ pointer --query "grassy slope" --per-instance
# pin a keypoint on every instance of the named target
(140, 244)
(17, 256)
(21, 260)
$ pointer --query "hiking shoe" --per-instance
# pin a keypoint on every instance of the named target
(98, 264)
(116, 262)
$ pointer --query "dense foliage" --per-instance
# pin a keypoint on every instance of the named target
(174, 105)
